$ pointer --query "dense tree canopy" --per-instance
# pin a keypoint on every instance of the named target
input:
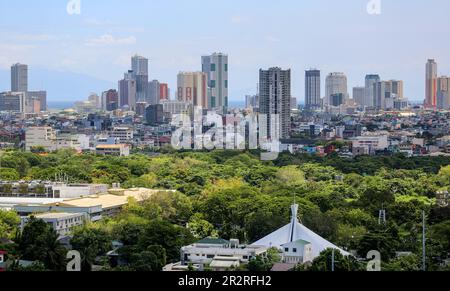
(232, 194)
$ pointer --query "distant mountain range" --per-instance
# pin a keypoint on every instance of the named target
(60, 86)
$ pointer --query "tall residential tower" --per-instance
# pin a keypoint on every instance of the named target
(275, 99)
(19, 78)
(431, 84)
(216, 68)
(313, 99)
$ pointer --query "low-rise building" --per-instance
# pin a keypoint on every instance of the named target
(96, 206)
(122, 150)
(207, 250)
(37, 137)
(62, 223)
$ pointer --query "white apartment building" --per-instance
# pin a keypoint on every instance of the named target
(40, 137)
(371, 143)
(124, 134)
(62, 223)
(206, 250)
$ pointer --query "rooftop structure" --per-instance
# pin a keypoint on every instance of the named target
(295, 231)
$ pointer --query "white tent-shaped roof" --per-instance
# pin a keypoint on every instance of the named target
(296, 231)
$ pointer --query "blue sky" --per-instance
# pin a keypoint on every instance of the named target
(326, 34)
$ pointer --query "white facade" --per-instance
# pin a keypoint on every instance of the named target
(204, 253)
(371, 142)
(216, 68)
(40, 137)
(297, 252)
(124, 134)
(62, 223)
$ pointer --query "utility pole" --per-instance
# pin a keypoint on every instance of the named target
(332, 260)
(424, 255)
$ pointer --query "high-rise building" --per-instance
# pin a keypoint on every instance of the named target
(252, 101)
(19, 78)
(155, 114)
(153, 92)
(275, 99)
(13, 102)
(164, 92)
(127, 92)
(431, 84)
(37, 101)
(139, 67)
(369, 98)
(193, 88)
(397, 88)
(359, 96)
(386, 93)
(110, 100)
(382, 90)
(336, 83)
(443, 92)
(216, 68)
(313, 99)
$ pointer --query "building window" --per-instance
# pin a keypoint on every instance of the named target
(213, 67)
(286, 250)
(226, 67)
(294, 250)
(213, 84)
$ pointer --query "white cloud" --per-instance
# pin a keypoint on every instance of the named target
(109, 40)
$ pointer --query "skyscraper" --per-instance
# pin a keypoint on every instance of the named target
(127, 91)
(275, 99)
(19, 78)
(358, 96)
(312, 90)
(443, 92)
(193, 88)
(164, 92)
(216, 68)
(153, 92)
(431, 84)
(139, 66)
(336, 83)
(110, 100)
(13, 101)
(369, 98)
(387, 92)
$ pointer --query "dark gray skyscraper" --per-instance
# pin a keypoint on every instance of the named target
(216, 67)
(139, 66)
(312, 90)
(19, 78)
(275, 98)
(369, 96)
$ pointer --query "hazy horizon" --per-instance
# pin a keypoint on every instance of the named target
(96, 45)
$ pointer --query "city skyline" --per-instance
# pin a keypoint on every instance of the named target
(94, 45)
